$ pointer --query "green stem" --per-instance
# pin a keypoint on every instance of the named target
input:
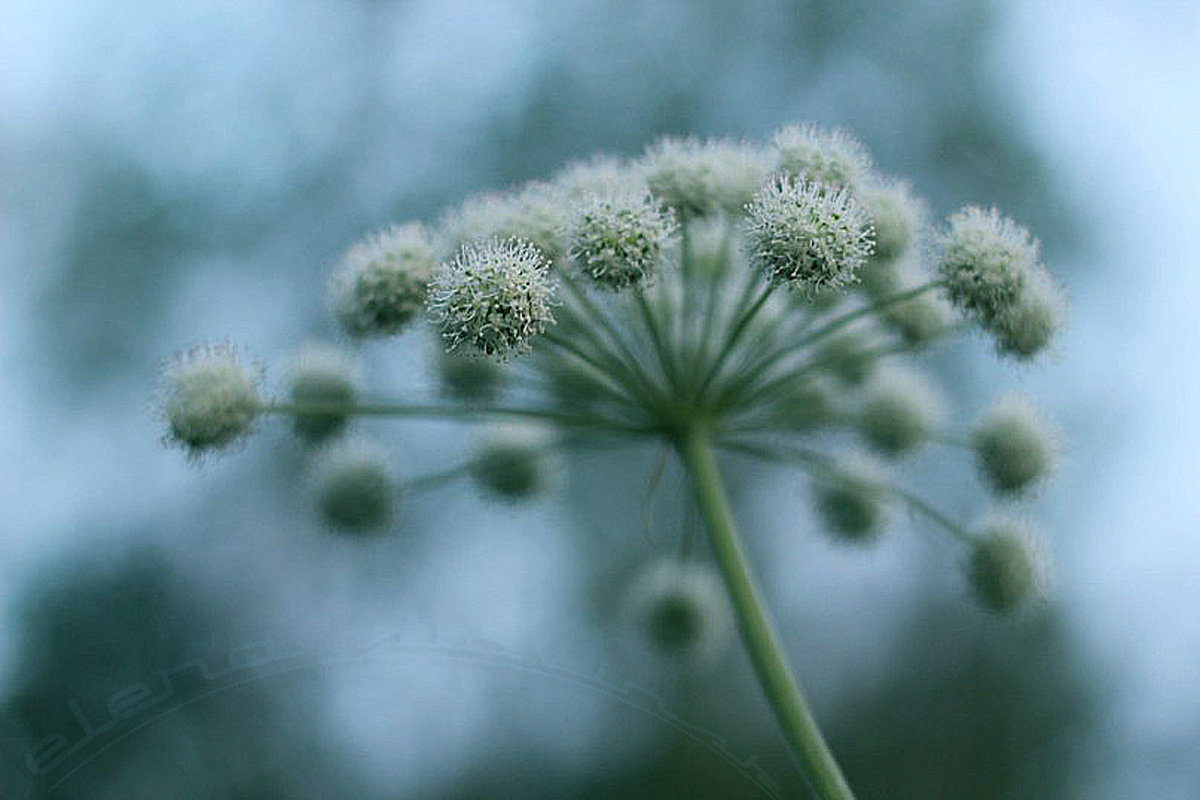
(476, 413)
(762, 644)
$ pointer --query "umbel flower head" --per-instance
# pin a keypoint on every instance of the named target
(693, 344)
(381, 282)
(807, 235)
(493, 298)
(210, 399)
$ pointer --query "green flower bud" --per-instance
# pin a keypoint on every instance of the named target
(680, 610)
(807, 236)
(1006, 567)
(986, 261)
(617, 239)
(812, 154)
(514, 463)
(470, 379)
(354, 488)
(1014, 446)
(897, 216)
(849, 357)
(1028, 327)
(900, 412)
(853, 500)
(806, 404)
(323, 376)
(381, 283)
(209, 400)
(493, 298)
(700, 178)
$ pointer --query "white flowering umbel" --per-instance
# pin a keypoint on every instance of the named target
(649, 301)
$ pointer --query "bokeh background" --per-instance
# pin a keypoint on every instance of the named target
(183, 171)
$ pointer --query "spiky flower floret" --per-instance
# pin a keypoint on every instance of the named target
(353, 487)
(806, 235)
(679, 609)
(696, 178)
(901, 410)
(991, 269)
(853, 499)
(617, 239)
(381, 282)
(327, 377)
(493, 298)
(535, 213)
(897, 215)
(833, 158)
(1014, 445)
(209, 399)
(1006, 566)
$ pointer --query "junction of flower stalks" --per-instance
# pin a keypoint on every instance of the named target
(713, 296)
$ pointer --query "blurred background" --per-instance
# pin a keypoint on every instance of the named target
(187, 171)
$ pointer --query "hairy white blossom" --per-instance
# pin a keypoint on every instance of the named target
(381, 282)
(697, 178)
(813, 154)
(617, 239)
(209, 399)
(806, 235)
(493, 298)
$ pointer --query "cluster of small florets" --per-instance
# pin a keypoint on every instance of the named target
(992, 271)
(617, 240)
(648, 293)
(381, 284)
(493, 298)
(210, 400)
(808, 235)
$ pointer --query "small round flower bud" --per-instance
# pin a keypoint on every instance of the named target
(900, 412)
(1005, 568)
(354, 487)
(680, 610)
(209, 400)
(848, 357)
(807, 236)
(986, 261)
(470, 379)
(493, 298)
(514, 463)
(381, 283)
(853, 500)
(812, 154)
(323, 376)
(536, 213)
(699, 178)
(807, 404)
(897, 215)
(1028, 327)
(1014, 446)
(617, 239)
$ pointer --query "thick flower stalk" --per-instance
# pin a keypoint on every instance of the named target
(720, 298)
